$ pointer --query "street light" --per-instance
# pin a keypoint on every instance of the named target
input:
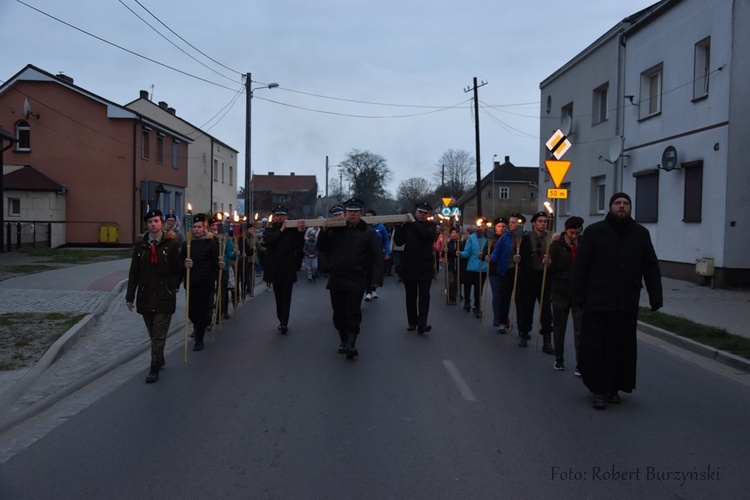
(248, 113)
(493, 185)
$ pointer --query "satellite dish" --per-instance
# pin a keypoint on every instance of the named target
(566, 124)
(615, 148)
(27, 109)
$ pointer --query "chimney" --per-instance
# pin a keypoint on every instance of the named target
(270, 173)
(172, 111)
(291, 173)
(144, 94)
(507, 159)
(163, 105)
(66, 78)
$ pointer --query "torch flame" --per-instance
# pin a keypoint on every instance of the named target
(256, 215)
(236, 217)
(548, 206)
(189, 208)
(219, 215)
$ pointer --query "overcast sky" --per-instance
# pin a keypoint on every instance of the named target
(384, 76)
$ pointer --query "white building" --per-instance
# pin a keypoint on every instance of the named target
(670, 85)
(212, 165)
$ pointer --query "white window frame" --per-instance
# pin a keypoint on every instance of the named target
(652, 83)
(14, 207)
(504, 193)
(600, 111)
(702, 68)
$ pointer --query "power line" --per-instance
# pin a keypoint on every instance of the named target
(172, 43)
(189, 44)
(123, 48)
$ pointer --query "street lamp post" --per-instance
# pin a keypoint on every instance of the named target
(493, 185)
(248, 113)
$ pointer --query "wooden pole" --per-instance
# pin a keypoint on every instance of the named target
(188, 240)
(512, 306)
(548, 235)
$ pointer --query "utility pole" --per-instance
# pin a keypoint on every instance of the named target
(248, 109)
(325, 210)
(475, 88)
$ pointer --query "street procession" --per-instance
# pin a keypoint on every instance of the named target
(494, 269)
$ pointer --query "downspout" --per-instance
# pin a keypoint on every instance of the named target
(135, 181)
(620, 115)
(211, 170)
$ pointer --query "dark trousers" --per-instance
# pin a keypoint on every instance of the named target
(472, 278)
(532, 293)
(562, 305)
(200, 307)
(452, 286)
(417, 301)
(608, 351)
(495, 281)
(157, 325)
(283, 294)
(347, 314)
(506, 292)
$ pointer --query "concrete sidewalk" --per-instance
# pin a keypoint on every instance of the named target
(110, 335)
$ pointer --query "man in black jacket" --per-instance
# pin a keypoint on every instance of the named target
(203, 263)
(613, 260)
(356, 262)
(417, 269)
(155, 271)
(284, 250)
(562, 254)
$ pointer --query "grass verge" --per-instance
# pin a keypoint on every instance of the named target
(76, 256)
(711, 336)
(25, 337)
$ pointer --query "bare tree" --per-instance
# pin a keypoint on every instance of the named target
(367, 174)
(454, 173)
(412, 191)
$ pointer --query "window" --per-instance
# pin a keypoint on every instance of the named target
(693, 203)
(488, 194)
(279, 199)
(222, 172)
(145, 143)
(646, 207)
(216, 171)
(702, 68)
(566, 113)
(160, 148)
(175, 153)
(14, 207)
(599, 109)
(231, 175)
(563, 204)
(651, 89)
(504, 192)
(598, 190)
(178, 205)
(23, 134)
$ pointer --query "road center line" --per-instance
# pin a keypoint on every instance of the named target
(461, 384)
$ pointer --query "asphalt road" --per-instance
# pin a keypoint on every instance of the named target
(457, 413)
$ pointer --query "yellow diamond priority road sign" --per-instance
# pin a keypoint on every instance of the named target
(558, 144)
(557, 170)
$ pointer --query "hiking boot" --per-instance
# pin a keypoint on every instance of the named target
(153, 375)
(524, 342)
(559, 364)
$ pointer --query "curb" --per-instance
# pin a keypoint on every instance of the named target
(57, 350)
(723, 357)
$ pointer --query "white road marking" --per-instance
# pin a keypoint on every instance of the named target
(461, 384)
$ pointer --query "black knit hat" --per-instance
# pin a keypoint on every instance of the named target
(619, 195)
